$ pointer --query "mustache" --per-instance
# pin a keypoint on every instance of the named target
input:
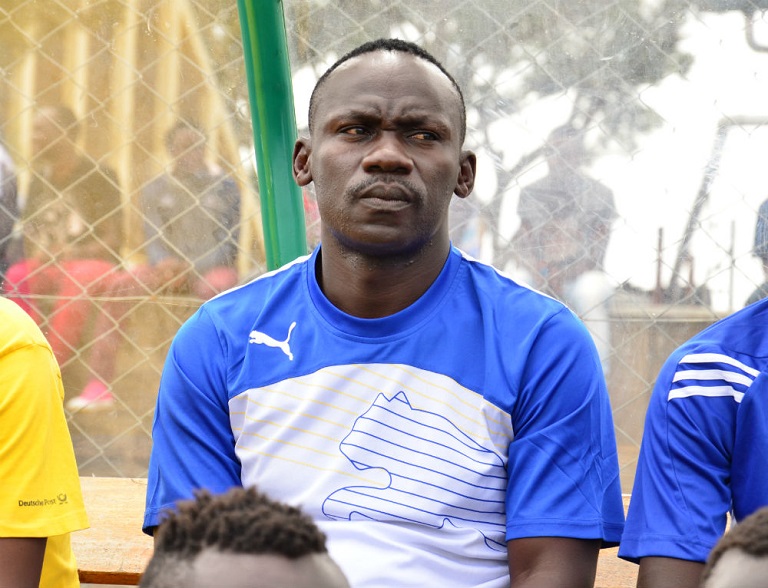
(408, 187)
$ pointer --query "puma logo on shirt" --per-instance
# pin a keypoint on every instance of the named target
(263, 339)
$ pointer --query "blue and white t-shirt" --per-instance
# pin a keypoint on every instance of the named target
(420, 442)
(705, 443)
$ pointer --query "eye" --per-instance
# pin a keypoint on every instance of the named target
(356, 130)
(424, 136)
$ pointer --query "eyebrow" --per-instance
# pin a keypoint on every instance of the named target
(410, 118)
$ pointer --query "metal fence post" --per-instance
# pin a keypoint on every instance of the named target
(274, 128)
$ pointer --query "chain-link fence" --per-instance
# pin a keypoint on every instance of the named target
(654, 111)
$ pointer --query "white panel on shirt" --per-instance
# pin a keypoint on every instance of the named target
(418, 457)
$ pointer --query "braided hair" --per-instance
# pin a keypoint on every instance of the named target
(242, 520)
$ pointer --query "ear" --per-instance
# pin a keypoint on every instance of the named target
(466, 180)
(302, 171)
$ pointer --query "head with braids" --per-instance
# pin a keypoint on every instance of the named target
(740, 558)
(239, 539)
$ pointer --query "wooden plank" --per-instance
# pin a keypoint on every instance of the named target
(113, 550)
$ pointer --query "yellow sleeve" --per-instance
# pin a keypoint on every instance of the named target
(40, 492)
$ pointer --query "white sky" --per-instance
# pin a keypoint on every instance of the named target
(658, 185)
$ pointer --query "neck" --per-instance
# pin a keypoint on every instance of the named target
(373, 287)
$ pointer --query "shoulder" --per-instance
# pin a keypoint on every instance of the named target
(740, 334)
(240, 305)
(17, 329)
(719, 364)
(508, 299)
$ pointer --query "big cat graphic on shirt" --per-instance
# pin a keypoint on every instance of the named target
(437, 475)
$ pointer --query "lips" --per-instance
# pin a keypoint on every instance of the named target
(384, 190)
(389, 197)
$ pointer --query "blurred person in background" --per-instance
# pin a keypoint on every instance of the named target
(9, 210)
(191, 230)
(40, 497)
(240, 539)
(760, 250)
(72, 228)
(192, 219)
(565, 226)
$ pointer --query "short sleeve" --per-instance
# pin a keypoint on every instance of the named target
(192, 440)
(563, 466)
(40, 493)
(682, 490)
(750, 451)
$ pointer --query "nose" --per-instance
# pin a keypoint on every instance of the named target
(388, 154)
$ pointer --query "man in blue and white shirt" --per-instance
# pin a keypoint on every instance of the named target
(442, 424)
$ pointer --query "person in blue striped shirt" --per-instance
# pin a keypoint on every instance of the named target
(704, 452)
(760, 250)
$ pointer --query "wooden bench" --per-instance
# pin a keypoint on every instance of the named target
(115, 551)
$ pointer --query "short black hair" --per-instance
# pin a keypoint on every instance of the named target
(389, 45)
(749, 536)
(242, 520)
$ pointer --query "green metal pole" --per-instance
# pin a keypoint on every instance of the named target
(274, 128)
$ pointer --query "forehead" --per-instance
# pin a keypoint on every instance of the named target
(737, 569)
(243, 570)
(391, 79)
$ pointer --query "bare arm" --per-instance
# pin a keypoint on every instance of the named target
(668, 572)
(21, 561)
(552, 562)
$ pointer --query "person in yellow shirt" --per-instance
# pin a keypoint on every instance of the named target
(40, 498)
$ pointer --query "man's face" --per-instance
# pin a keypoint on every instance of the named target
(385, 154)
(240, 570)
(187, 148)
(48, 139)
(736, 569)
